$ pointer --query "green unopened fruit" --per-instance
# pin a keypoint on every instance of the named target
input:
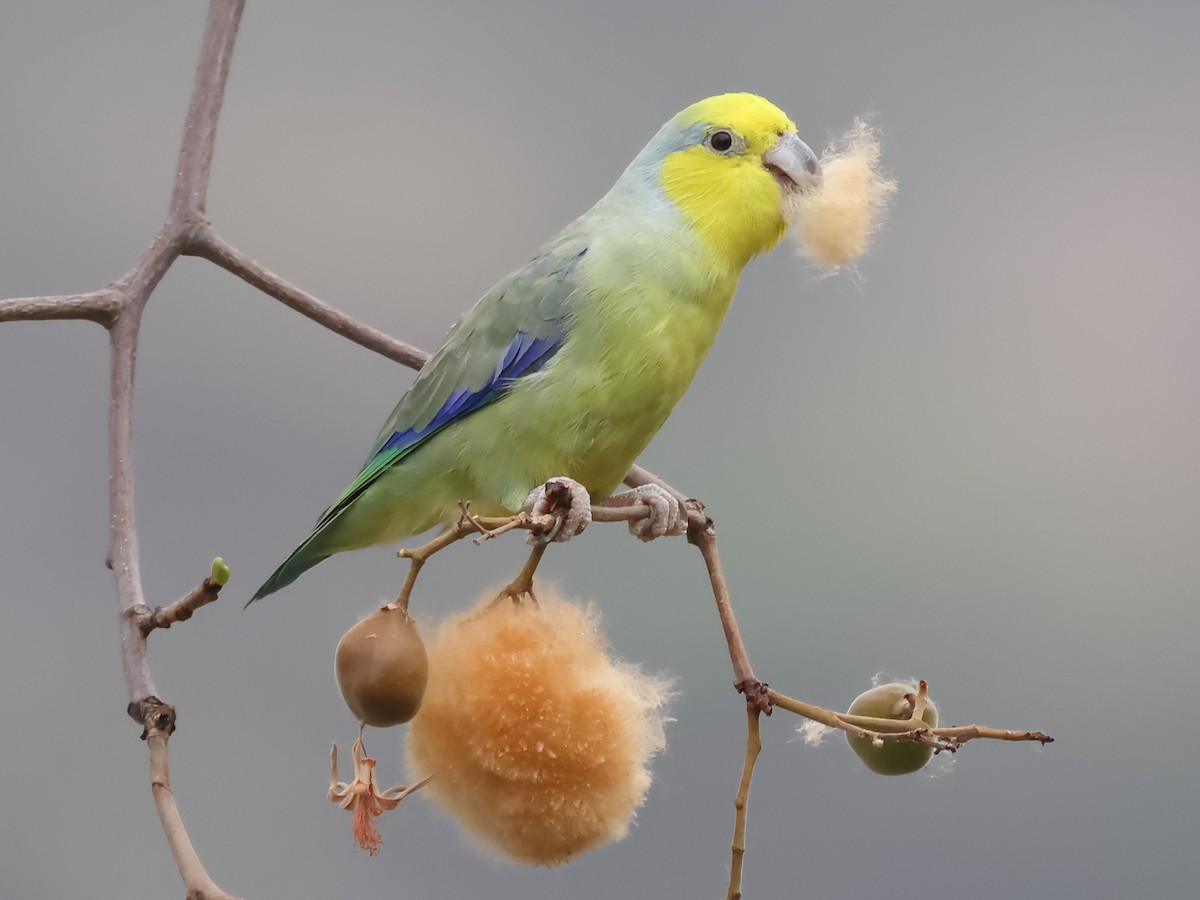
(382, 669)
(891, 701)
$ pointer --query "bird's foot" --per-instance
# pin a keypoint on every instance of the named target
(668, 514)
(561, 508)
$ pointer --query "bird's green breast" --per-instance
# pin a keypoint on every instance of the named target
(641, 324)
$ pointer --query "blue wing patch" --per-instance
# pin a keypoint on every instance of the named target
(525, 355)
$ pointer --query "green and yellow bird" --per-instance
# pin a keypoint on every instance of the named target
(570, 365)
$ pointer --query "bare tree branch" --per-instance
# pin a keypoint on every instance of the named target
(196, 881)
(740, 803)
(190, 194)
(182, 609)
(702, 534)
(911, 729)
(122, 529)
(209, 245)
(119, 308)
(98, 306)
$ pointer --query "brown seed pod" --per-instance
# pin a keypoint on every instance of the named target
(381, 668)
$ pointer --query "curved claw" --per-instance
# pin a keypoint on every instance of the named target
(561, 507)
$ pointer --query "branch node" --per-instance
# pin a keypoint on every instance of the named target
(155, 716)
(757, 694)
(700, 526)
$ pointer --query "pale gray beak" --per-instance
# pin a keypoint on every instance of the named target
(793, 164)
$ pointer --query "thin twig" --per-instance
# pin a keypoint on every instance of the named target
(489, 527)
(190, 193)
(98, 306)
(417, 557)
(209, 245)
(740, 803)
(522, 584)
(122, 529)
(702, 534)
(911, 729)
(182, 609)
(195, 879)
(960, 734)
(817, 713)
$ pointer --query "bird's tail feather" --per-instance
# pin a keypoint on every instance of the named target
(300, 561)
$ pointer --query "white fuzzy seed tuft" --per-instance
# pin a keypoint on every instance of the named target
(833, 227)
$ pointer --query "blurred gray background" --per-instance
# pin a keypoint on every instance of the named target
(976, 462)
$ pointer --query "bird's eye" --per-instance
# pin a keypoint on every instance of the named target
(720, 141)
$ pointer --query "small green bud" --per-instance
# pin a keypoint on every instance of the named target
(220, 572)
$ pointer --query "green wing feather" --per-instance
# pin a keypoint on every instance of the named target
(535, 300)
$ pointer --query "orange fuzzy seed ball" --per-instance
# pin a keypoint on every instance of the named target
(537, 740)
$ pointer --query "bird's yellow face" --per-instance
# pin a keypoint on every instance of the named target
(730, 179)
